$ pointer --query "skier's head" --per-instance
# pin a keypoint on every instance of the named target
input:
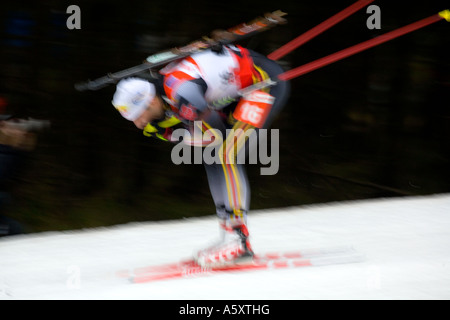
(136, 101)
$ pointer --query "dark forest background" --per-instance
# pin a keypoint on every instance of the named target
(373, 125)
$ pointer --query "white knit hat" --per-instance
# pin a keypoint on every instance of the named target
(132, 97)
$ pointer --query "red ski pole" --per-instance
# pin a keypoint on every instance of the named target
(308, 35)
(319, 63)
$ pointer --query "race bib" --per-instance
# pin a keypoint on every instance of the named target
(254, 108)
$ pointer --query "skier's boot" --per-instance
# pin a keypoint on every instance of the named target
(233, 248)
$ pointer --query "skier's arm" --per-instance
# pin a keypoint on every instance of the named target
(190, 103)
(190, 100)
(161, 129)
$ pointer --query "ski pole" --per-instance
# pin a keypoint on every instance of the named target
(319, 63)
(311, 66)
(310, 34)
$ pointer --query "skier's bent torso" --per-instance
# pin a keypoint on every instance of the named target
(204, 88)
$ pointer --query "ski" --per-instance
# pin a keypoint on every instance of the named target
(268, 261)
(160, 59)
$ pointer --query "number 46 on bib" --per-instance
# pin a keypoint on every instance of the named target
(254, 108)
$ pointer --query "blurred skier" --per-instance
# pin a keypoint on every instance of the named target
(8, 160)
(17, 138)
(204, 87)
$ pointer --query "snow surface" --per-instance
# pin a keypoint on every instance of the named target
(405, 241)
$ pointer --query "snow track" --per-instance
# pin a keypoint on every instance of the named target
(406, 243)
